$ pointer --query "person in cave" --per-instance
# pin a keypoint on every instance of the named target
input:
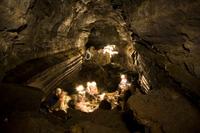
(124, 84)
(64, 99)
(81, 104)
(48, 105)
(92, 90)
(62, 103)
(124, 91)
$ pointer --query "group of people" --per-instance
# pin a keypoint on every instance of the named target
(87, 99)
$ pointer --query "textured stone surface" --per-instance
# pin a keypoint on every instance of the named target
(29, 30)
(101, 121)
(168, 41)
(165, 111)
(34, 29)
(166, 35)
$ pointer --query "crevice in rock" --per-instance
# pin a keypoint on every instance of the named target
(186, 49)
(19, 29)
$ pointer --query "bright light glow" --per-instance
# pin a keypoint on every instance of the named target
(123, 76)
(124, 84)
(110, 49)
(89, 97)
(94, 84)
(80, 89)
(92, 88)
(85, 104)
(90, 104)
(58, 91)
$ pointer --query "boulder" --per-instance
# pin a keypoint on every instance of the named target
(166, 111)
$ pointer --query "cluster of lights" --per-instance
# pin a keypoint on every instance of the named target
(83, 103)
(86, 105)
(89, 97)
(90, 89)
(110, 49)
(80, 89)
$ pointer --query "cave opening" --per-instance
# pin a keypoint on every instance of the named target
(101, 35)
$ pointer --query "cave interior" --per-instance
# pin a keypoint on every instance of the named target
(126, 66)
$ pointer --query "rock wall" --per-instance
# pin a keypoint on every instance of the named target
(166, 48)
(28, 30)
(167, 42)
(34, 29)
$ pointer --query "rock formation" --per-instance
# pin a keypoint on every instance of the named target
(44, 42)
